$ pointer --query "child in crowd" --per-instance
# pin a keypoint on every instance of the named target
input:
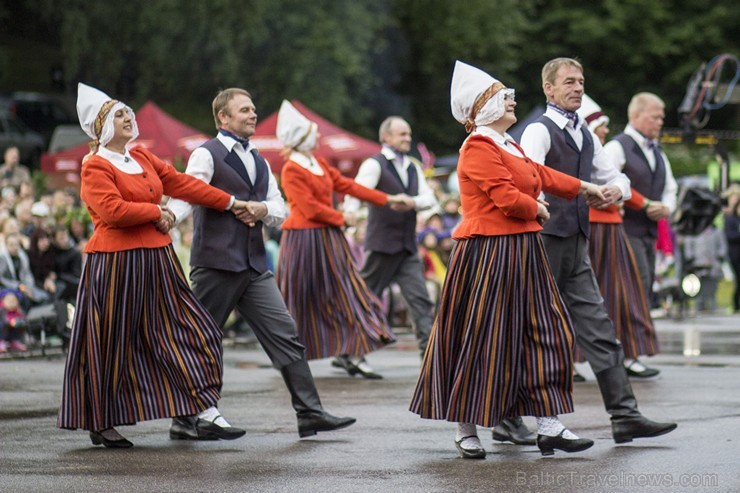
(12, 322)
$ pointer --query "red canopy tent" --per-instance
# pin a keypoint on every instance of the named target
(340, 148)
(168, 138)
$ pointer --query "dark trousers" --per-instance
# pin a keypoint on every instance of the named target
(406, 270)
(644, 250)
(258, 300)
(571, 268)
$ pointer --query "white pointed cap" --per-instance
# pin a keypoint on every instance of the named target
(591, 113)
(476, 98)
(468, 83)
(294, 130)
(96, 109)
(89, 103)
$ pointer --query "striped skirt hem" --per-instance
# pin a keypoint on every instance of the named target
(142, 346)
(501, 344)
(335, 311)
(624, 296)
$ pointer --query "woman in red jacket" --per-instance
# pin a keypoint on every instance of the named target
(142, 345)
(502, 342)
(336, 314)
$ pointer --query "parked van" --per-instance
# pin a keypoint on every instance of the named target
(13, 132)
(41, 113)
(66, 136)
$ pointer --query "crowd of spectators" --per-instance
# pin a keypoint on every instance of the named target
(42, 235)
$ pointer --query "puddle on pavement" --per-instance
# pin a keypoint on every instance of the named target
(692, 342)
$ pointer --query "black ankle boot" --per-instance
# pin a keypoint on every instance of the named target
(626, 428)
(312, 417)
(310, 424)
(620, 402)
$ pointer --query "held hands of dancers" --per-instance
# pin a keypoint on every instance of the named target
(542, 213)
(600, 197)
(350, 219)
(166, 220)
(656, 210)
(249, 212)
(401, 202)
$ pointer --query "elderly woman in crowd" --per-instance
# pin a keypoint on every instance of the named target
(336, 314)
(502, 342)
(142, 345)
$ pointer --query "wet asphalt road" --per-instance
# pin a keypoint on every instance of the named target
(389, 449)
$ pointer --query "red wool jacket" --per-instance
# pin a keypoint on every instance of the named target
(123, 206)
(310, 195)
(498, 191)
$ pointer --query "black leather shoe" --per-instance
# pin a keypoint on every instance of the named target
(183, 428)
(470, 453)
(626, 428)
(547, 445)
(362, 368)
(342, 361)
(514, 430)
(97, 438)
(311, 424)
(208, 430)
(638, 370)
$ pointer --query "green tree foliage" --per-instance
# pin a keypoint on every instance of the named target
(628, 46)
(355, 62)
(488, 34)
(320, 52)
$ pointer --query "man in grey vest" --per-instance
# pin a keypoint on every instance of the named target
(560, 140)
(229, 263)
(637, 154)
(390, 240)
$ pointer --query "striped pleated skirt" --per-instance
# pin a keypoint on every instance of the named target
(502, 342)
(335, 311)
(142, 347)
(624, 296)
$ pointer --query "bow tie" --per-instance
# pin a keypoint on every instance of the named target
(242, 141)
(570, 115)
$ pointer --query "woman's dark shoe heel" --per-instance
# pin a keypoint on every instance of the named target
(97, 438)
(342, 361)
(547, 444)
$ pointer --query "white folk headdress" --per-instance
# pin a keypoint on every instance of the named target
(591, 113)
(294, 130)
(95, 110)
(476, 98)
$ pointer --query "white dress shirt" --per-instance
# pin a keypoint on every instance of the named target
(124, 162)
(369, 175)
(536, 143)
(506, 142)
(200, 165)
(307, 162)
(615, 151)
